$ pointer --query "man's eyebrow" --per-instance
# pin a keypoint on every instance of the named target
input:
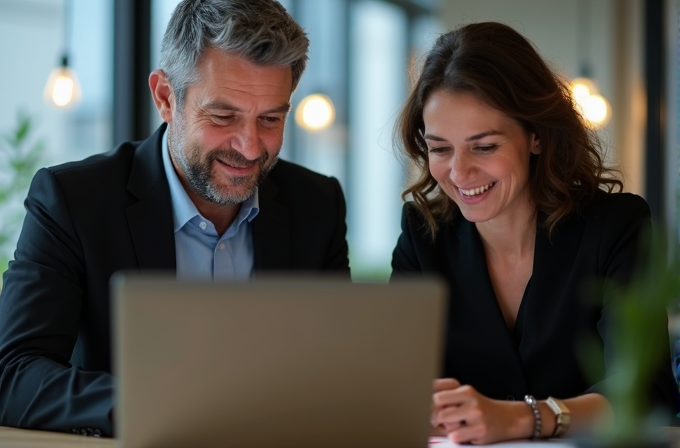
(283, 108)
(468, 139)
(223, 105)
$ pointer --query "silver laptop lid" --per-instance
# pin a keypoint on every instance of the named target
(296, 362)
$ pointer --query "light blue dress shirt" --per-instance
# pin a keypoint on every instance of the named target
(202, 253)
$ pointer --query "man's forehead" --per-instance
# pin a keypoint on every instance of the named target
(238, 73)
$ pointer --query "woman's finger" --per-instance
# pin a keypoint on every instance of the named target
(454, 397)
(445, 384)
(452, 417)
(454, 425)
(467, 434)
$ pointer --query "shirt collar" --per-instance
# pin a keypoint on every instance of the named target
(183, 208)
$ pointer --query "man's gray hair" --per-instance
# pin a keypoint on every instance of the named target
(258, 30)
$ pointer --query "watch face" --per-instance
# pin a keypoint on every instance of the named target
(562, 416)
(557, 406)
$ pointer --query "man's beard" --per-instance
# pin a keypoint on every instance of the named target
(197, 164)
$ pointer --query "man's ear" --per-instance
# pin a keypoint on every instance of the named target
(162, 94)
(535, 144)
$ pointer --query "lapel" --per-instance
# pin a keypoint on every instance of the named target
(476, 309)
(271, 231)
(554, 261)
(150, 218)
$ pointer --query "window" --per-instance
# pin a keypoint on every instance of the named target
(31, 44)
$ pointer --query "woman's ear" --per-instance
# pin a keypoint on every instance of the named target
(535, 144)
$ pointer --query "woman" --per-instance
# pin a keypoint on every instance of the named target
(515, 208)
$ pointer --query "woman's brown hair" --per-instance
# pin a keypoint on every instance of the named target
(503, 69)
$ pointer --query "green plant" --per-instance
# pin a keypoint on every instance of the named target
(640, 306)
(20, 155)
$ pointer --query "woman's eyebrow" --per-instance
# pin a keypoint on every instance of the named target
(468, 139)
(482, 135)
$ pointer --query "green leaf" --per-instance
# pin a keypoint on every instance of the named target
(22, 155)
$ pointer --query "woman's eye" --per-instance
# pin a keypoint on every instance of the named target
(437, 150)
(485, 148)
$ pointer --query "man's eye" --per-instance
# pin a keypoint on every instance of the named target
(222, 118)
(271, 119)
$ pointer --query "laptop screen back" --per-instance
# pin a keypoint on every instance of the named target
(297, 362)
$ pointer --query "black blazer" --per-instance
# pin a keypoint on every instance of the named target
(86, 220)
(558, 312)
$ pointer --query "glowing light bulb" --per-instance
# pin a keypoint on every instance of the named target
(63, 91)
(593, 107)
(581, 87)
(596, 109)
(315, 112)
(580, 91)
(62, 88)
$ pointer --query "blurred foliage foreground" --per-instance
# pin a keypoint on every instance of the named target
(636, 355)
(20, 156)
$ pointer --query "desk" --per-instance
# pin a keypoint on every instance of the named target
(23, 438)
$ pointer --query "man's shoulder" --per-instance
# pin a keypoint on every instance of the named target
(296, 179)
(103, 164)
(290, 171)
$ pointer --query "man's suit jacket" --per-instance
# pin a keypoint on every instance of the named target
(86, 220)
(564, 305)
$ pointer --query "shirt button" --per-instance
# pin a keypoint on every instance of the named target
(221, 246)
(203, 225)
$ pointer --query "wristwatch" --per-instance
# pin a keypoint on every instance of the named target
(562, 416)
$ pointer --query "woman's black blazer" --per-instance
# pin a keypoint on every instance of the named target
(566, 306)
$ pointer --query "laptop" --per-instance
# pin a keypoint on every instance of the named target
(276, 362)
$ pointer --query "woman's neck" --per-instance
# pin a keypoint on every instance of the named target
(511, 235)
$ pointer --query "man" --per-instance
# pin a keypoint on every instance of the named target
(193, 197)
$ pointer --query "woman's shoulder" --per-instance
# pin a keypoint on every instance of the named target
(614, 208)
(605, 202)
(414, 222)
(413, 218)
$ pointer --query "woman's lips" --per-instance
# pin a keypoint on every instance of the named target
(477, 190)
(476, 194)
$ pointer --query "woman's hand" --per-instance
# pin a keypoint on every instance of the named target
(469, 417)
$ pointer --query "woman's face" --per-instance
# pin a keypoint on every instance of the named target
(479, 156)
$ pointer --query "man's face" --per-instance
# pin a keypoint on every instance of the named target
(228, 135)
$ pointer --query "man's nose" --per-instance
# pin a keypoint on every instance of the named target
(247, 141)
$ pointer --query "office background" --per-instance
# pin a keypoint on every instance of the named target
(361, 52)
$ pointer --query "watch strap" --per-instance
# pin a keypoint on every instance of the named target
(562, 416)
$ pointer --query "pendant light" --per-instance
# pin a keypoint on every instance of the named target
(63, 89)
(315, 112)
(594, 107)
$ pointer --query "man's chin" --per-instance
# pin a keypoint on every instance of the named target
(234, 194)
(236, 189)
